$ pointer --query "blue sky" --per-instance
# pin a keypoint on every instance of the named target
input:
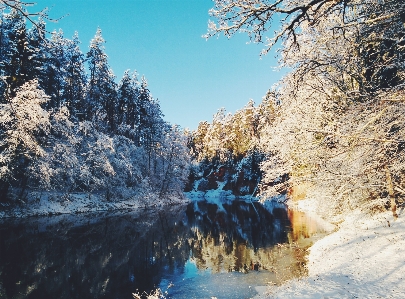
(161, 39)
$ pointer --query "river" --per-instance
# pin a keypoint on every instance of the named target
(199, 250)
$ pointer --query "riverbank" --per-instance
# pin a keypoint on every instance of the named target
(56, 203)
(363, 258)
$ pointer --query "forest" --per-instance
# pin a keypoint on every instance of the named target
(331, 129)
(66, 125)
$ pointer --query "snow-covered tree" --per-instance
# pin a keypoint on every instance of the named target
(21, 7)
(60, 131)
(23, 124)
(101, 90)
(331, 129)
(23, 51)
(54, 69)
(4, 44)
(173, 162)
(128, 106)
(335, 125)
(75, 78)
(17, 69)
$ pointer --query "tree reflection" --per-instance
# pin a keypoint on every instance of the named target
(112, 256)
(230, 239)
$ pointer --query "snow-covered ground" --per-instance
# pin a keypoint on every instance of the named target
(363, 258)
(54, 203)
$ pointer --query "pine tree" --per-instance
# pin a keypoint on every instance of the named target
(39, 53)
(18, 54)
(144, 121)
(75, 78)
(22, 51)
(101, 87)
(54, 70)
(127, 108)
(4, 48)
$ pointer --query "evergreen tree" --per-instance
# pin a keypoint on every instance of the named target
(98, 136)
(151, 126)
(17, 68)
(39, 54)
(127, 108)
(101, 87)
(4, 48)
(54, 70)
(144, 120)
(22, 52)
(75, 78)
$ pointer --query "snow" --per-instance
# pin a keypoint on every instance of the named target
(219, 195)
(56, 203)
(363, 258)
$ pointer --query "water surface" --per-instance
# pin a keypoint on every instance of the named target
(197, 251)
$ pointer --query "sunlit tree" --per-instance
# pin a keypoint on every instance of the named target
(23, 124)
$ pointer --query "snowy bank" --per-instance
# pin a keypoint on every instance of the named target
(364, 258)
(55, 203)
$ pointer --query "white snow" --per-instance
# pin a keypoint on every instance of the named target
(56, 203)
(363, 258)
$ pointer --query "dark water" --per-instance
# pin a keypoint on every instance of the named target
(195, 251)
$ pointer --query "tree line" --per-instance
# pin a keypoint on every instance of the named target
(231, 142)
(65, 124)
(334, 124)
(338, 123)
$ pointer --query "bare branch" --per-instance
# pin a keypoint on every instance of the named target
(257, 17)
(21, 7)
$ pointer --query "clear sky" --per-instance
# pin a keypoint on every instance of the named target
(161, 39)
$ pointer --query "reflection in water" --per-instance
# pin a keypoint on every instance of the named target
(201, 250)
(302, 225)
(229, 240)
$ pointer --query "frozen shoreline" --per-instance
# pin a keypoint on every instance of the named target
(54, 203)
(364, 258)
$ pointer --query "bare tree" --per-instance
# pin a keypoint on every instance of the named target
(339, 126)
(258, 17)
(32, 17)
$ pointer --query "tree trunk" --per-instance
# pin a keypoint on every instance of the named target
(390, 187)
